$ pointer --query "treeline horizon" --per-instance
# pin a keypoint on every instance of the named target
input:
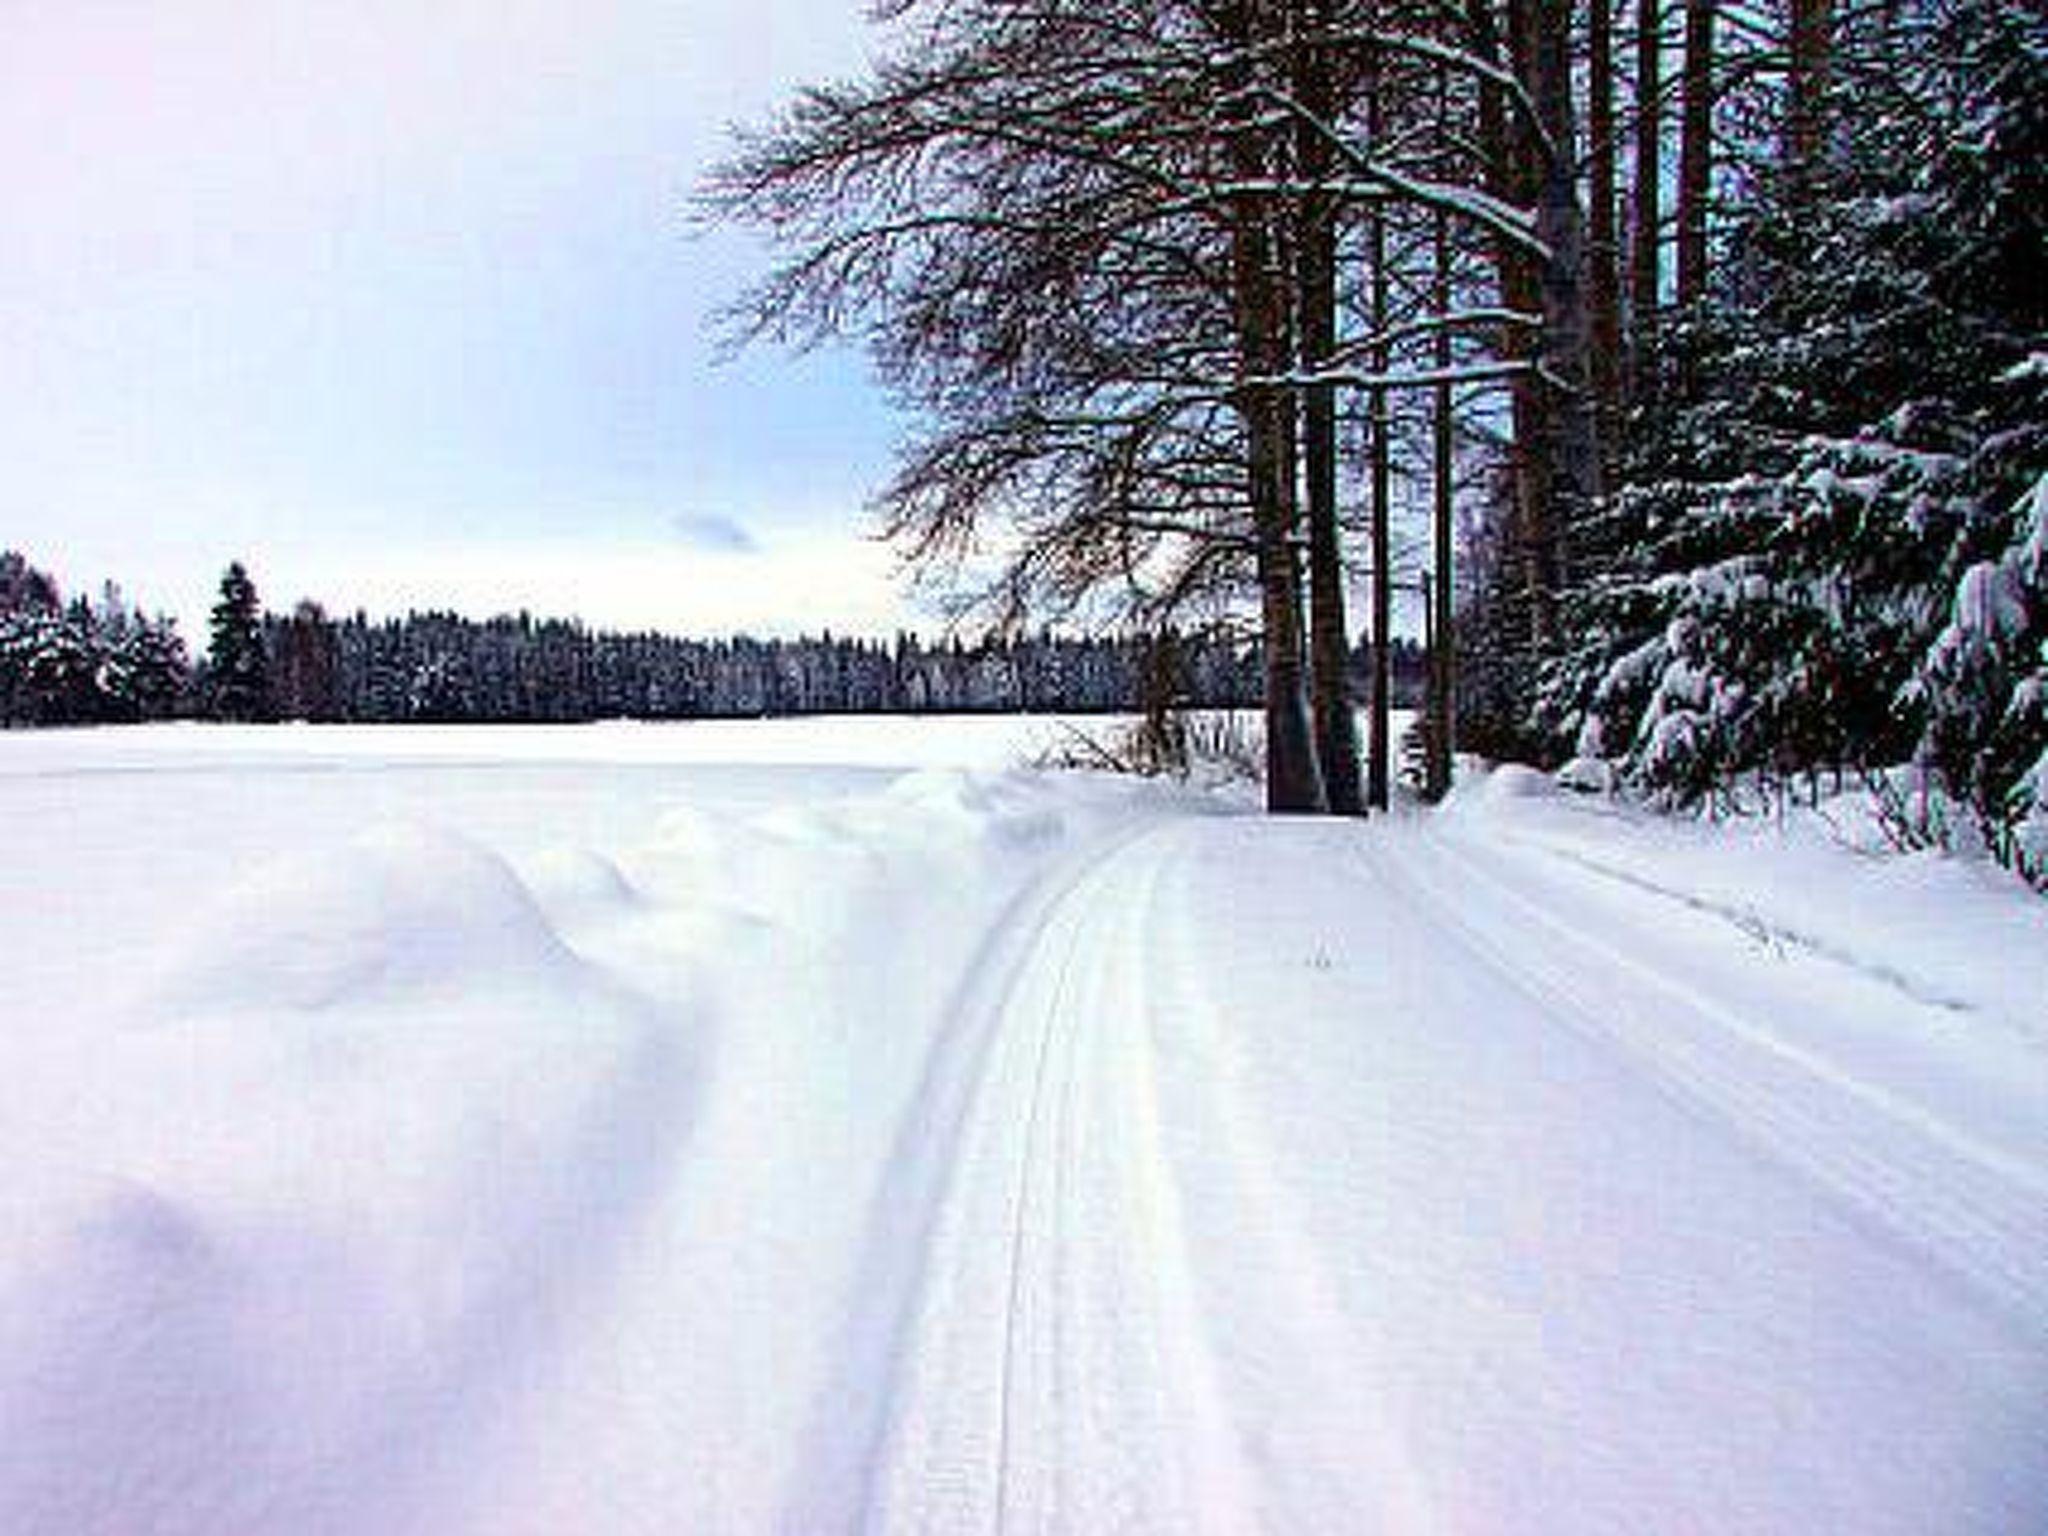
(76, 661)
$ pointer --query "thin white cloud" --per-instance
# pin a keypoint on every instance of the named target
(714, 534)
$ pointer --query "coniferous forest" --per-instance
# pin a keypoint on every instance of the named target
(76, 661)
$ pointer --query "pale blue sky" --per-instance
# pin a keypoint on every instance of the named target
(396, 302)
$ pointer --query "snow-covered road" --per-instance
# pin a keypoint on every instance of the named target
(627, 1145)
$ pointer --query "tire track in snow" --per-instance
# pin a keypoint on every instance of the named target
(1034, 1370)
(1910, 1179)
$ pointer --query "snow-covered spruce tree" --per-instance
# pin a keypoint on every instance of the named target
(1826, 551)
(28, 608)
(77, 663)
(1497, 657)
(1980, 689)
(237, 663)
(154, 668)
(61, 668)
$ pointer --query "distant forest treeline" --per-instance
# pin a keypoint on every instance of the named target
(79, 661)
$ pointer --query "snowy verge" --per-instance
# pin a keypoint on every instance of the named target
(1955, 932)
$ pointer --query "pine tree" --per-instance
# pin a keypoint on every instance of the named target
(153, 661)
(238, 671)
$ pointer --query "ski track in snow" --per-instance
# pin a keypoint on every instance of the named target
(1030, 1341)
(1771, 932)
(1003, 1154)
(1962, 1205)
(1048, 1366)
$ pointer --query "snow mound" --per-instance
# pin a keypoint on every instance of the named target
(1501, 788)
(930, 813)
(579, 884)
(1008, 809)
(279, 1261)
(120, 1304)
(1587, 776)
(398, 909)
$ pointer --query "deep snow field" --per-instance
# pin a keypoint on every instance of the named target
(823, 1126)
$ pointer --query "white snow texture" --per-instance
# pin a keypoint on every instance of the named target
(820, 1126)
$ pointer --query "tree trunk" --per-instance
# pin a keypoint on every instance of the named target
(1293, 780)
(1336, 725)
(1603, 247)
(1573, 452)
(1695, 151)
(1379, 772)
(1504, 142)
(1806, 96)
(1645, 269)
(1443, 655)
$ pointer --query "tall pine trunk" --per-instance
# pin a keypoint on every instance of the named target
(1603, 245)
(1806, 96)
(1557, 463)
(1443, 655)
(1504, 139)
(1573, 453)
(1647, 205)
(1294, 781)
(1695, 151)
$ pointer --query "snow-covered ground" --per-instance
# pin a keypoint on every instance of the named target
(815, 1126)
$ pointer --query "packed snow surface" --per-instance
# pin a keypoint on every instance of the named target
(823, 1127)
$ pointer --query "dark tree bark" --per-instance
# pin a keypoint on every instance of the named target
(1574, 460)
(1806, 96)
(1504, 140)
(1336, 725)
(1443, 655)
(1695, 150)
(1556, 454)
(1646, 198)
(1603, 246)
(1379, 764)
(1294, 781)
